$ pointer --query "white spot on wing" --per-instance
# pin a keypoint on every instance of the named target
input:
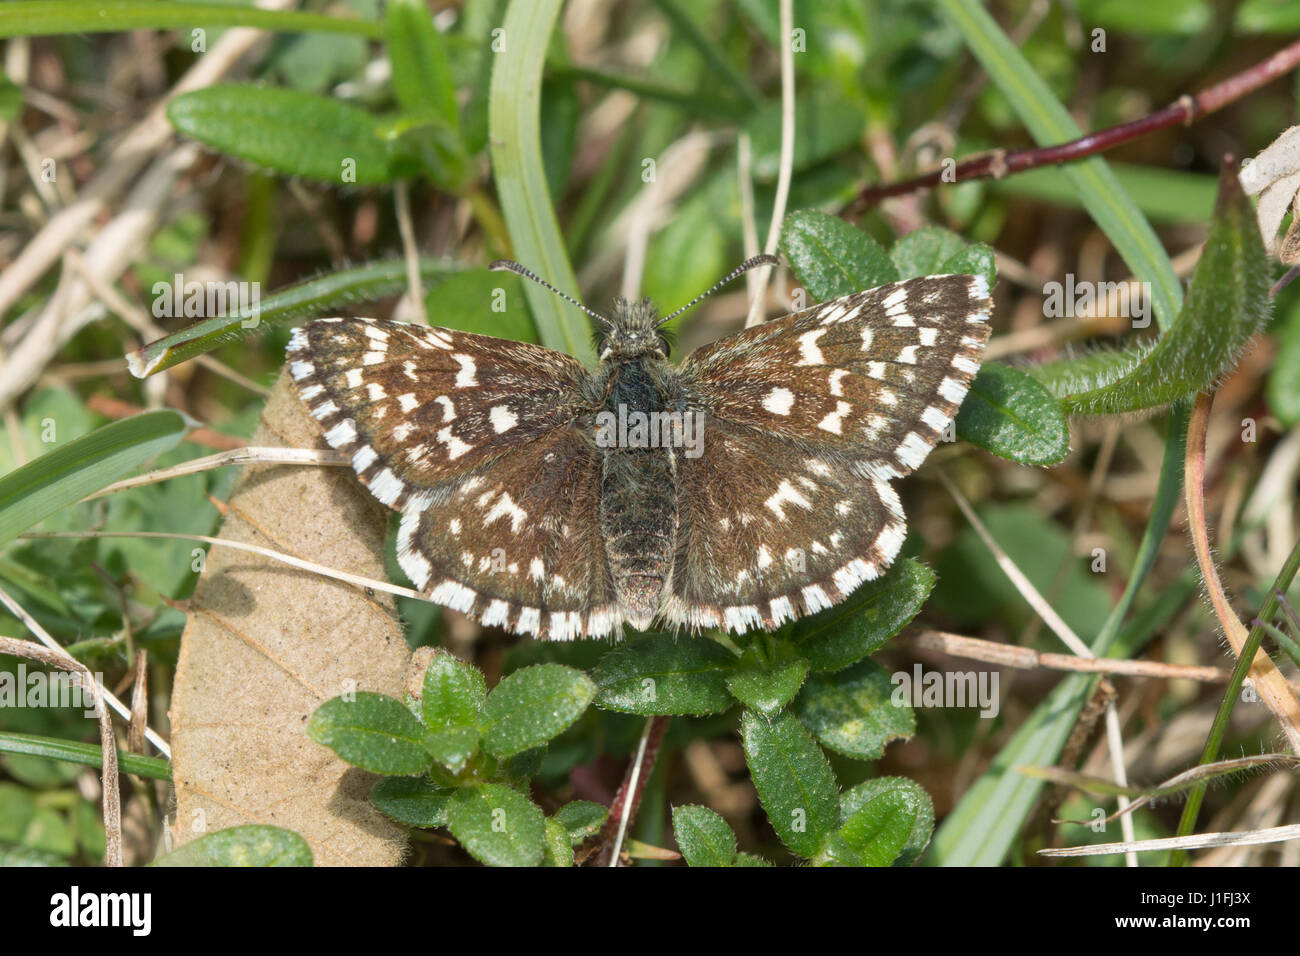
(779, 401)
(503, 419)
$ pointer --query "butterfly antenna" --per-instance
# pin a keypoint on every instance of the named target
(508, 265)
(752, 263)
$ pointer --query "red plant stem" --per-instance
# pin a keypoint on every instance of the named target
(999, 163)
(658, 728)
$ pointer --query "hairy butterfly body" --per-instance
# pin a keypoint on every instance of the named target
(748, 486)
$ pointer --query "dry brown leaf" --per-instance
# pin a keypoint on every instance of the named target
(266, 644)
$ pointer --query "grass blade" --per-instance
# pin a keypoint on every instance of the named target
(71, 751)
(64, 476)
(27, 18)
(514, 104)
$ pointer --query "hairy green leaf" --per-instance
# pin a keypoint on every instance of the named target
(453, 692)
(251, 845)
(657, 674)
(833, 258)
(703, 837)
(875, 612)
(497, 825)
(413, 801)
(1227, 304)
(371, 731)
(294, 133)
(793, 779)
(852, 713)
(1009, 414)
(533, 705)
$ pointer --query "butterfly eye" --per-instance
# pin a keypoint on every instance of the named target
(664, 346)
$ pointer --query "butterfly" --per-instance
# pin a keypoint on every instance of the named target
(747, 486)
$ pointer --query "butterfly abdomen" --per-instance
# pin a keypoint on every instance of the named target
(638, 506)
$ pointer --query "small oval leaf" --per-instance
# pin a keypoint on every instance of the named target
(294, 133)
(372, 731)
(252, 845)
(852, 713)
(704, 838)
(497, 825)
(658, 675)
(534, 705)
(793, 779)
(1009, 414)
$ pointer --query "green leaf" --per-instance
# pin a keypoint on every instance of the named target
(1227, 304)
(558, 849)
(767, 689)
(1284, 378)
(482, 302)
(875, 835)
(67, 474)
(749, 859)
(372, 731)
(54, 17)
(793, 779)
(926, 251)
(453, 747)
(875, 612)
(414, 801)
(704, 838)
(534, 705)
(833, 258)
(912, 795)
(658, 675)
(520, 177)
(852, 712)
(1008, 414)
(581, 819)
(307, 299)
(294, 133)
(418, 53)
(497, 825)
(252, 845)
(453, 692)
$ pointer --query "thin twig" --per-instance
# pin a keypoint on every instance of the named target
(248, 455)
(999, 163)
(356, 579)
(56, 656)
(1024, 658)
(1195, 842)
(1022, 583)
(1268, 680)
(628, 798)
(406, 228)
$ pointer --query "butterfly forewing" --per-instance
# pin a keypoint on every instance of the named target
(818, 411)
(416, 406)
(877, 375)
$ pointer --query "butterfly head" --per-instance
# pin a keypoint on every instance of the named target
(632, 332)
